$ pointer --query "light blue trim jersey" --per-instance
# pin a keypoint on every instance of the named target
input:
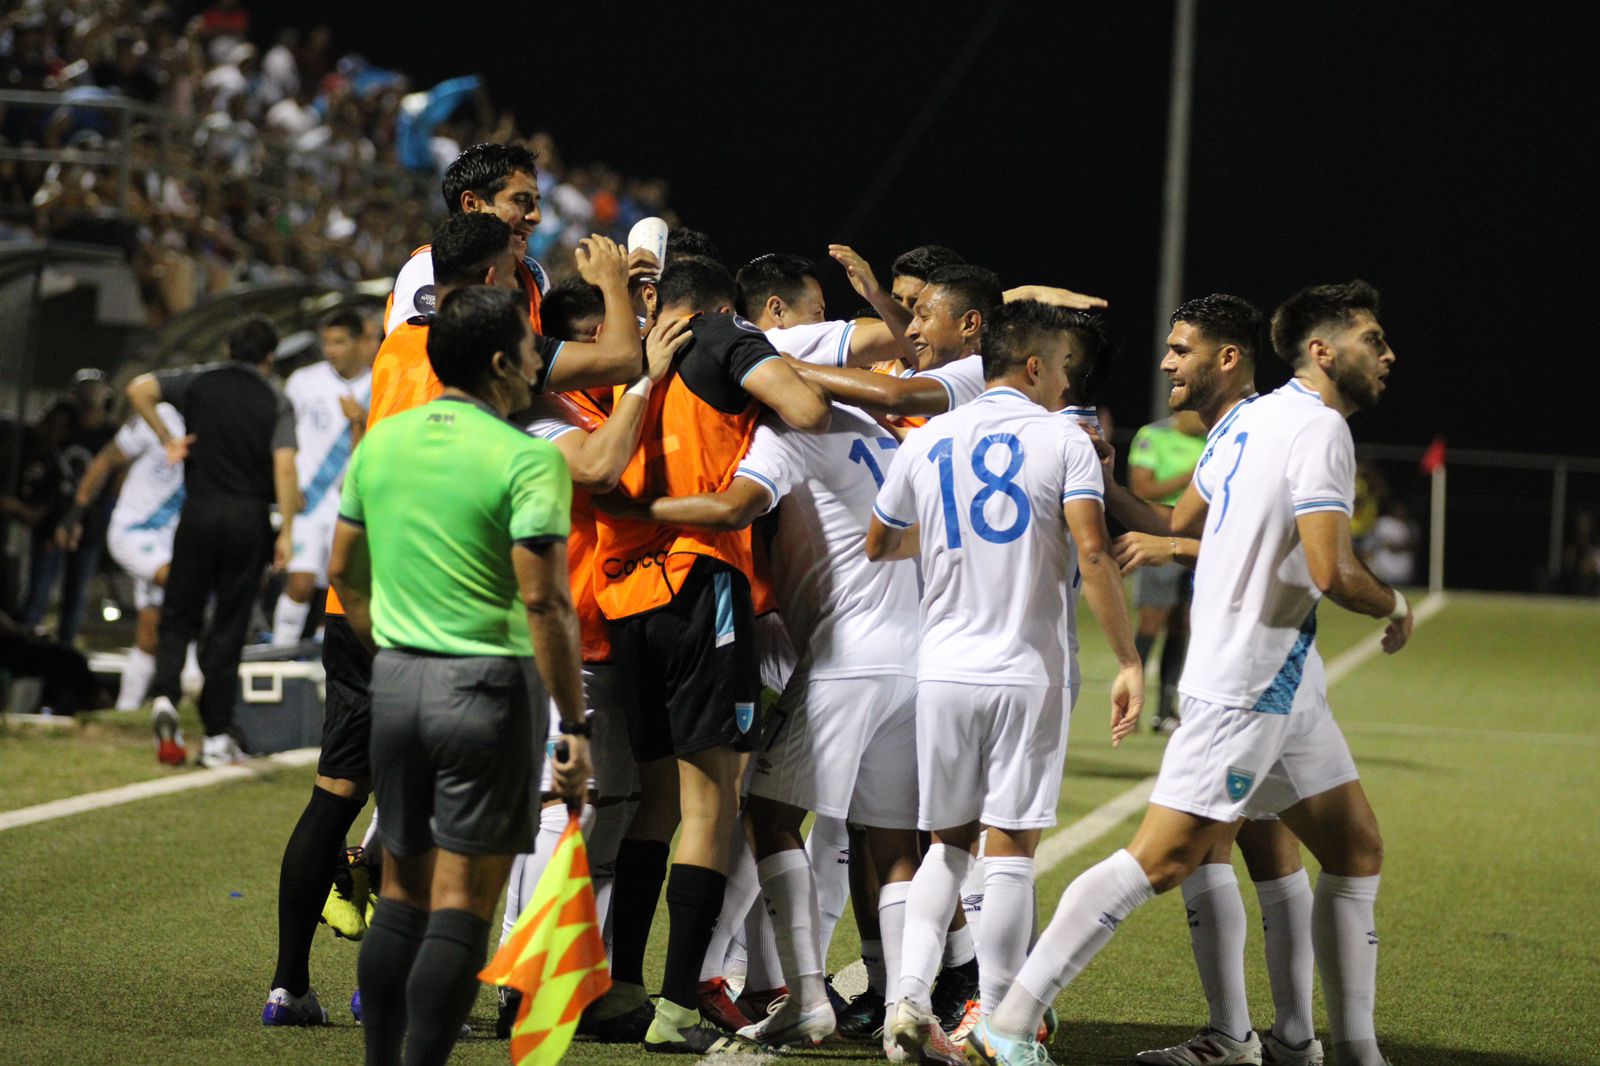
(323, 431)
(152, 495)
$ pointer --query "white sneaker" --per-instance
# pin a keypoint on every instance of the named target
(169, 738)
(781, 1028)
(221, 750)
(1208, 1047)
(1275, 1052)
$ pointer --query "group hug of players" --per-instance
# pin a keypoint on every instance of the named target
(715, 490)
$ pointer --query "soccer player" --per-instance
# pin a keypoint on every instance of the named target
(464, 519)
(1271, 500)
(1001, 500)
(782, 295)
(140, 533)
(681, 607)
(330, 400)
(911, 271)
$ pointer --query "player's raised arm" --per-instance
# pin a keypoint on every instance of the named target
(878, 393)
(1049, 294)
(1342, 577)
(873, 340)
(615, 357)
(1102, 589)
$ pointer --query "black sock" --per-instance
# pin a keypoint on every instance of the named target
(1142, 644)
(387, 953)
(640, 868)
(694, 900)
(443, 985)
(1173, 650)
(310, 859)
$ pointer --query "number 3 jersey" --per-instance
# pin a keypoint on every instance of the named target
(986, 483)
(1252, 624)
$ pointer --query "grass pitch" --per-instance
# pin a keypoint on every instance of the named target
(145, 933)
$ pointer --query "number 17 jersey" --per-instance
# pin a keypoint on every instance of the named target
(986, 483)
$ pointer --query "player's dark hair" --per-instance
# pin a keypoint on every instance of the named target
(253, 341)
(1309, 310)
(567, 302)
(347, 319)
(774, 274)
(484, 169)
(681, 240)
(465, 247)
(696, 282)
(975, 288)
(472, 323)
(1016, 329)
(923, 260)
(1224, 319)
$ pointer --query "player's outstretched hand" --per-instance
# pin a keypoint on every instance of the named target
(857, 269)
(662, 344)
(569, 777)
(352, 410)
(1397, 633)
(1050, 294)
(601, 261)
(1127, 702)
(1133, 550)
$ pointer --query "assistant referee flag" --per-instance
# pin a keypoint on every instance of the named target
(555, 956)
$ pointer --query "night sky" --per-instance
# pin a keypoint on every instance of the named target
(1449, 160)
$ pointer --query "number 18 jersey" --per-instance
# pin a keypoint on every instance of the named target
(986, 483)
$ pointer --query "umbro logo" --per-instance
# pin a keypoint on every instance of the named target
(1372, 937)
(972, 904)
(1110, 921)
(1194, 917)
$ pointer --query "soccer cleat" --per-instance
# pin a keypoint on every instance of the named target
(506, 1014)
(783, 1028)
(862, 1019)
(718, 1008)
(1275, 1052)
(970, 1018)
(169, 738)
(349, 899)
(1208, 1047)
(757, 1004)
(956, 985)
(628, 1027)
(355, 1005)
(918, 1034)
(891, 1050)
(220, 750)
(677, 1030)
(284, 1009)
(1048, 1026)
(986, 1048)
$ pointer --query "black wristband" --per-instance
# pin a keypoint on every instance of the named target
(576, 729)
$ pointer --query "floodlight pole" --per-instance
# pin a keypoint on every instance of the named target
(1175, 192)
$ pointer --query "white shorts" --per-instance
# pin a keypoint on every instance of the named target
(1225, 762)
(845, 747)
(776, 650)
(990, 754)
(140, 553)
(616, 775)
(313, 543)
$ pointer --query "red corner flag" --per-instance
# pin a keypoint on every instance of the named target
(1433, 458)
(554, 956)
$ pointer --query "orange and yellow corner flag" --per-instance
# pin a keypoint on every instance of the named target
(555, 956)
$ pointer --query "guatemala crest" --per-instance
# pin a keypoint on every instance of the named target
(1239, 782)
(744, 716)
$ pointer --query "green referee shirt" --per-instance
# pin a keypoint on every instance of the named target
(1166, 451)
(444, 491)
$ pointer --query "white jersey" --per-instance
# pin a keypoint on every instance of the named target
(987, 482)
(414, 293)
(1269, 460)
(152, 492)
(827, 343)
(1085, 416)
(322, 430)
(962, 379)
(847, 616)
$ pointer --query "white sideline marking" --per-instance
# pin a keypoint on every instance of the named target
(161, 786)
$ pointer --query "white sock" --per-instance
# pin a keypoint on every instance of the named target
(760, 941)
(928, 909)
(872, 960)
(1091, 908)
(527, 869)
(288, 620)
(136, 675)
(1216, 933)
(791, 900)
(972, 893)
(1286, 921)
(191, 678)
(741, 893)
(959, 948)
(828, 847)
(892, 930)
(372, 829)
(610, 822)
(1008, 886)
(1346, 943)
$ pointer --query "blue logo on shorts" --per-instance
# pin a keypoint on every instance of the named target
(1239, 782)
(744, 716)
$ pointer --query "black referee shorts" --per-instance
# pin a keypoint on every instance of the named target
(347, 705)
(694, 667)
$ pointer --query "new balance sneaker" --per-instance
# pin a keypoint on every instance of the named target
(956, 985)
(792, 1028)
(284, 1009)
(972, 1015)
(349, 899)
(220, 750)
(1275, 1052)
(862, 1019)
(1208, 1047)
(169, 738)
(987, 1048)
(676, 1030)
(717, 1006)
(917, 1033)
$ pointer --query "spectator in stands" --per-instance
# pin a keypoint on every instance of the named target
(1390, 548)
(1580, 558)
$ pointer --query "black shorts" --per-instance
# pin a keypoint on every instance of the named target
(347, 704)
(694, 667)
